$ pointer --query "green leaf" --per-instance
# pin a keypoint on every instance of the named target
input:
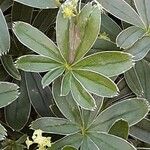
(51, 76)
(120, 128)
(143, 8)
(82, 97)
(69, 148)
(42, 4)
(129, 36)
(141, 130)
(8, 93)
(4, 5)
(140, 49)
(106, 141)
(88, 144)
(99, 84)
(36, 63)
(66, 84)
(4, 37)
(72, 140)
(9, 66)
(131, 110)
(123, 11)
(41, 99)
(110, 27)
(55, 125)
(133, 81)
(2, 133)
(66, 104)
(89, 21)
(36, 40)
(17, 113)
(107, 63)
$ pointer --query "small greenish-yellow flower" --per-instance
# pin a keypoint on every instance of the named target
(43, 142)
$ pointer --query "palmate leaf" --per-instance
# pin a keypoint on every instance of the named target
(42, 4)
(36, 63)
(8, 93)
(99, 84)
(36, 40)
(108, 63)
(132, 110)
(110, 142)
(55, 125)
(129, 36)
(123, 11)
(4, 35)
(143, 8)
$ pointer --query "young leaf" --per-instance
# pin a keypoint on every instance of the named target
(81, 96)
(66, 104)
(141, 130)
(87, 25)
(4, 36)
(108, 63)
(2, 133)
(120, 128)
(132, 110)
(42, 4)
(143, 8)
(17, 113)
(140, 49)
(36, 63)
(8, 93)
(106, 141)
(55, 125)
(36, 40)
(99, 84)
(9, 66)
(129, 36)
(73, 140)
(51, 76)
(123, 11)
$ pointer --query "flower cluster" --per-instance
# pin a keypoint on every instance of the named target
(37, 138)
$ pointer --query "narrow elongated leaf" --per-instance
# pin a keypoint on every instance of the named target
(55, 125)
(36, 63)
(66, 84)
(9, 66)
(81, 96)
(110, 27)
(41, 99)
(141, 130)
(133, 81)
(17, 113)
(99, 84)
(132, 110)
(36, 40)
(88, 144)
(120, 128)
(2, 133)
(4, 36)
(51, 76)
(110, 142)
(8, 93)
(66, 104)
(129, 36)
(42, 4)
(143, 8)
(107, 63)
(140, 49)
(123, 11)
(72, 140)
(87, 25)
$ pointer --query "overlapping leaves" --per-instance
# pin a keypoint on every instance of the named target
(72, 35)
